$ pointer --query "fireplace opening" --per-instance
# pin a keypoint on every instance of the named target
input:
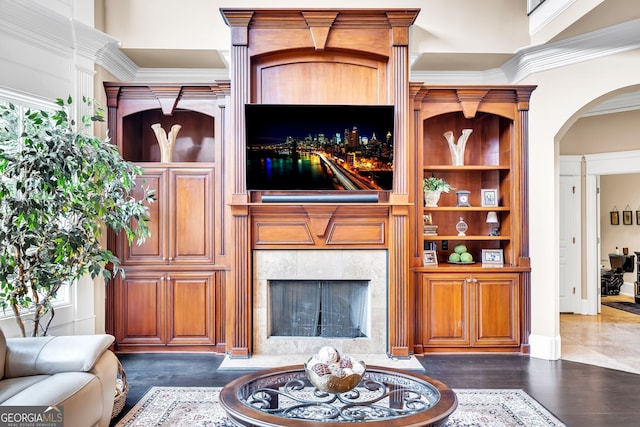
(319, 308)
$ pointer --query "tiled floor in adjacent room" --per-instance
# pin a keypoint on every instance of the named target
(610, 339)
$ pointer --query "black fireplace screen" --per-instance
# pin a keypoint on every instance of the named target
(318, 308)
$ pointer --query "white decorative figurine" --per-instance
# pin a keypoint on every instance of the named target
(166, 143)
(457, 150)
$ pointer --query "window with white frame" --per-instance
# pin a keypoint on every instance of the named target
(533, 5)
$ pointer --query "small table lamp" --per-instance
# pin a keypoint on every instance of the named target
(492, 218)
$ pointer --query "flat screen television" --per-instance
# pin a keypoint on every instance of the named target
(319, 148)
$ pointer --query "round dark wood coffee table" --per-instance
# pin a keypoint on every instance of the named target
(385, 397)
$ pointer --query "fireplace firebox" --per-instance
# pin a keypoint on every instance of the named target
(318, 308)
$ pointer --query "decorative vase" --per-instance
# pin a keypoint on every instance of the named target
(165, 142)
(431, 198)
(462, 227)
(457, 150)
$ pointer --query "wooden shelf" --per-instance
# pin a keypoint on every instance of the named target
(456, 237)
(445, 267)
(467, 209)
(450, 168)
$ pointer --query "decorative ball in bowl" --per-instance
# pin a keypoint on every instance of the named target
(331, 372)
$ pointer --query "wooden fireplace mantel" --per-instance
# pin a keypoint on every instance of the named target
(319, 56)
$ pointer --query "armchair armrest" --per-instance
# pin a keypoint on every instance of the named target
(51, 355)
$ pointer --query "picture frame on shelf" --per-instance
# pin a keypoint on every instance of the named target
(627, 218)
(489, 197)
(614, 217)
(492, 258)
(427, 218)
(430, 258)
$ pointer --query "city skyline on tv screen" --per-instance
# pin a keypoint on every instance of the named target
(319, 147)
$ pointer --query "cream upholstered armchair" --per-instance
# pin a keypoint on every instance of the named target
(77, 373)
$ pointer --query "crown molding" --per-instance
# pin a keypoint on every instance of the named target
(111, 58)
(32, 22)
(625, 102)
(596, 44)
(535, 59)
(492, 76)
(50, 31)
(181, 75)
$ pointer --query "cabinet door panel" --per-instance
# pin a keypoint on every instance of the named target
(141, 310)
(191, 216)
(153, 250)
(447, 311)
(191, 302)
(497, 307)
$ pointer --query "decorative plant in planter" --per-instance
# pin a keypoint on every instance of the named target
(432, 188)
(60, 188)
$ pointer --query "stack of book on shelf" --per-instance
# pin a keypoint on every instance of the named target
(430, 230)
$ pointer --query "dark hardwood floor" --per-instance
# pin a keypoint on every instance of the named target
(578, 394)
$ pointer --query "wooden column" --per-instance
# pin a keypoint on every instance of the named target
(401, 307)
(522, 102)
(239, 301)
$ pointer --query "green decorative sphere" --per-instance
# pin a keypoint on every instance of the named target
(460, 249)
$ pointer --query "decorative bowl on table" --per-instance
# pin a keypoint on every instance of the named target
(331, 372)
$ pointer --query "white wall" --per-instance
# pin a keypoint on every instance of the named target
(562, 96)
(602, 134)
(441, 26)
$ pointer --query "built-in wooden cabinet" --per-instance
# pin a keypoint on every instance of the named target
(190, 286)
(472, 306)
(471, 310)
(181, 218)
(171, 296)
(166, 309)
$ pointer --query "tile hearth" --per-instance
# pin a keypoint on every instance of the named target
(271, 361)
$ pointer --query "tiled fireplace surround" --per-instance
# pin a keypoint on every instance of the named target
(368, 265)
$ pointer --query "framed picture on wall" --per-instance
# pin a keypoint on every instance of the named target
(627, 218)
(638, 217)
(615, 217)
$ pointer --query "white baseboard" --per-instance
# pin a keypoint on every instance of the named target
(545, 347)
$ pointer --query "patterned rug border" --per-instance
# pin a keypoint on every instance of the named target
(178, 406)
(629, 307)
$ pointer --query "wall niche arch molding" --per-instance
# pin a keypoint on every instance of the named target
(353, 77)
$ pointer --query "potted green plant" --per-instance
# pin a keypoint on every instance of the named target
(60, 188)
(433, 187)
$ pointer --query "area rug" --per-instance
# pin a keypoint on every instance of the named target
(629, 307)
(199, 407)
